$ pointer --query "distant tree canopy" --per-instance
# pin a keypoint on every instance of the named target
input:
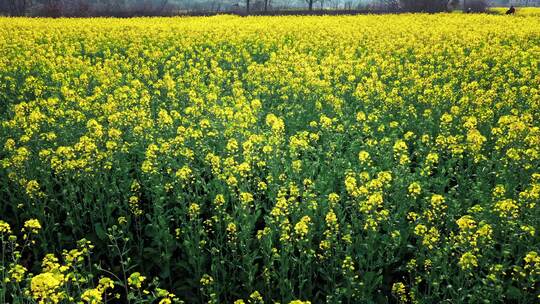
(56, 8)
(424, 5)
(126, 8)
(15, 7)
(475, 5)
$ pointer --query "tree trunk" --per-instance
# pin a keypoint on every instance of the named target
(247, 6)
(310, 5)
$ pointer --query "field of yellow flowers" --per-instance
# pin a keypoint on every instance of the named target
(351, 159)
(520, 11)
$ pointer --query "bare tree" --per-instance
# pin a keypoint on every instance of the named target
(310, 4)
(162, 4)
(18, 7)
(453, 4)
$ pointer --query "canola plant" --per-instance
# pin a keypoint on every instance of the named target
(350, 159)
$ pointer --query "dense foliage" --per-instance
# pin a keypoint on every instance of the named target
(327, 159)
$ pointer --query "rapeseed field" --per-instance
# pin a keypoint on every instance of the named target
(349, 159)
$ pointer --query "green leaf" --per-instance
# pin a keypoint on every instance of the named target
(100, 232)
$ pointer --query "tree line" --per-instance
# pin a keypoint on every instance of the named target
(129, 8)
